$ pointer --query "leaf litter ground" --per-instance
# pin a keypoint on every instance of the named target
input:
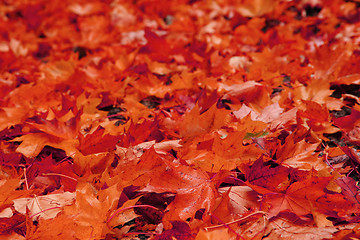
(179, 119)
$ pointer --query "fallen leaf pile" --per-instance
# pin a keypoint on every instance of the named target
(179, 119)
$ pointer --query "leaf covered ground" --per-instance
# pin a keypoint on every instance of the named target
(179, 119)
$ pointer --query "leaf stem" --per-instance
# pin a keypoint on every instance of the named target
(67, 159)
(43, 211)
(59, 174)
(26, 181)
(144, 233)
(235, 221)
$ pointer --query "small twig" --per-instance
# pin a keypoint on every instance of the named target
(327, 161)
(235, 221)
(59, 174)
(113, 115)
(350, 172)
(237, 179)
(66, 159)
(326, 157)
(26, 182)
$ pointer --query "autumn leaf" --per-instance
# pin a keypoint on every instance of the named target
(179, 230)
(61, 226)
(215, 234)
(46, 207)
(48, 173)
(300, 198)
(241, 198)
(195, 123)
(251, 92)
(349, 188)
(90, 223)
(187, 183)
(299, 153)
(32, 144)
(10, 221)
(285, 229)
(271, 178)
(7, 186)
(255, 8)
(96, 142)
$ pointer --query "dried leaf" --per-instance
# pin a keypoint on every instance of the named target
(46, 207)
